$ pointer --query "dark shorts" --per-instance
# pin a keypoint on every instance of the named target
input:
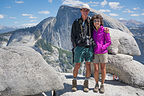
(83, 53)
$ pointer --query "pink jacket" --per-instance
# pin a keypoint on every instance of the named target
(102, 41)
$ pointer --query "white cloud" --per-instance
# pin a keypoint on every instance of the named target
(113, 14)
(33, 20)
(128, 11)
(91, 3)
(136, 8)
(29, 24)
(134, 15)
(26, 14)
(43, 12)
(94, 5)
(142, 13)
(29, 15)
(12, 17)
(121, 18)
(104, 3)
(102, 10)
(50, 1)
(15, 22)
(19, 2)
(72, 2)
(1, 16)
(115, 5)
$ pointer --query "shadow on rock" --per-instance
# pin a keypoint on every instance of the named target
(67, 88)
(114, 82)
(71, 77)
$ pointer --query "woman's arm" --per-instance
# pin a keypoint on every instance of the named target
(107, 38)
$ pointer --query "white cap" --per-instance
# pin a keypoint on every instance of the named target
(85, 6)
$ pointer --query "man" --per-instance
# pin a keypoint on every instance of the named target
(81, 40)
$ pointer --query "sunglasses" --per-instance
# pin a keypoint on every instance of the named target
(96, 21)
(85, 10)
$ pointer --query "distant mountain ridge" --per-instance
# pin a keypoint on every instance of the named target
(132, 23)
(4, 29)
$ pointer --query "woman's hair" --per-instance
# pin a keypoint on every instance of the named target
(98, 16)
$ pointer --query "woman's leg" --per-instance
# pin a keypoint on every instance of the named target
(96, 72)
(103, 72)
(96, 76)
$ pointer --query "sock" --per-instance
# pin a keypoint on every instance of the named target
(86, 78)
(102, 84)
(74, 78)
(97, 83)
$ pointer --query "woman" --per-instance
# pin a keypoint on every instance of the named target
(101, 37)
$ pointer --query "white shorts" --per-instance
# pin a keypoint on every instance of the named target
(100, 58)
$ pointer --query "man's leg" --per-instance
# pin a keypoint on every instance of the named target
(75, 73)
(78, 59)
(88, 69)
(88, 73)
(76, 68)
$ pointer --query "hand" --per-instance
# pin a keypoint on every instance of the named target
(106, 30)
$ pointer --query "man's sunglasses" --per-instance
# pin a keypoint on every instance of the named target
(85, 10)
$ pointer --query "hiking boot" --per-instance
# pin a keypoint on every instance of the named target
(102, 88)
(74, 85)
(86, 89)
(96, 89)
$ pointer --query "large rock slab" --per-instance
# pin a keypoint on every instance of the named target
(23, 71)
(127, 69)
(123, 43)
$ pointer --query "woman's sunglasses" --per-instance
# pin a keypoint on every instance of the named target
(96, 21)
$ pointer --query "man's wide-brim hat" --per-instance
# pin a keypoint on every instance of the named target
(85, 6)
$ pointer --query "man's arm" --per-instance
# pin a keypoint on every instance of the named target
(73, 35)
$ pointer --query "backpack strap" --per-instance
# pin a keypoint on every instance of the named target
(80, 23)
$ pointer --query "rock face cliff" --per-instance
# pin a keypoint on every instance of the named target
(4, 38)
(57, 30)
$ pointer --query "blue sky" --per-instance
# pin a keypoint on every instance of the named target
(24, 13)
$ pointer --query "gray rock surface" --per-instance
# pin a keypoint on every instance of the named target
(127, 69)
(23, 71)
(123, 43)
(112, 88)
